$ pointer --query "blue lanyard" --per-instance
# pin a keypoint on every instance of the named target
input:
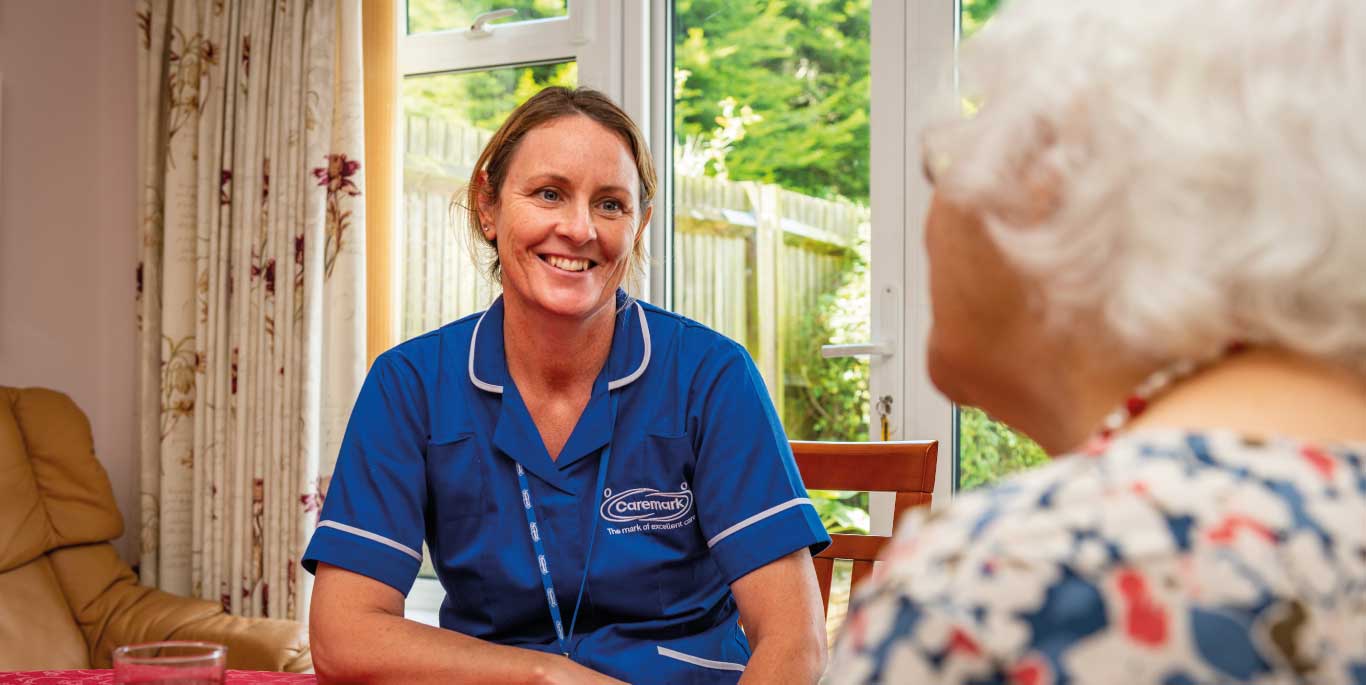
(592, 537)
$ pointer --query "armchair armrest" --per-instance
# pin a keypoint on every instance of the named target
(255, 644)
(112, 610)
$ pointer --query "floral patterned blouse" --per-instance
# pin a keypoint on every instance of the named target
(1166, 557)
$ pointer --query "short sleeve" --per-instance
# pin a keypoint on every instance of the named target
(372, 518)
(751, 504)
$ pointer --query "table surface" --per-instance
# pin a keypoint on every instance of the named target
(103, 675)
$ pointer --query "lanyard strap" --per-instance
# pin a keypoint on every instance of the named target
(539, 546)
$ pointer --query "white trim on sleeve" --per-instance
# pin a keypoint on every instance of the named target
(373, 537)
(699, 661)
(795, 502)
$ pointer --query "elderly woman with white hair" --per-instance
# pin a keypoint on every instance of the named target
(1148, 251)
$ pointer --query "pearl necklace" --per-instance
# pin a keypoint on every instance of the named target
(1137, 402)
(1155, 384)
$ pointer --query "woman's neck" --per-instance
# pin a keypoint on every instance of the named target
(1266, 393)
(550, 354)
(1062, 391)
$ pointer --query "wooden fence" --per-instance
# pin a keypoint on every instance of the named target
(751, 260)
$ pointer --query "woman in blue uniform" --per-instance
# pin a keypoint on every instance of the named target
(604, 486)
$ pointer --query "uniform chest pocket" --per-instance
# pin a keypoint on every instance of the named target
(669, 455)
(457, 473)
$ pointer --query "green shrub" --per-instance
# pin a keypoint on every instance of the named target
(989, 450)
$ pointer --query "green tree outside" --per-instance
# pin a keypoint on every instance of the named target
(800, 67)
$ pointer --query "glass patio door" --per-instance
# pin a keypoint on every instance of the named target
(794, 220)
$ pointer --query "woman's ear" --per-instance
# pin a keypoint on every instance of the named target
(644, 221)
(488, 213)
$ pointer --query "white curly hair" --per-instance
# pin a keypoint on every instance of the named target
(1194, 173)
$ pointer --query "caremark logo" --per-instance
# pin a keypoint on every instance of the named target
(647, 504)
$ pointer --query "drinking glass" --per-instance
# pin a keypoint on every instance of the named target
(170, 663)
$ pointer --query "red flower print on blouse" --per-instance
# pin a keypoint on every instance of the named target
(960, 641)
(1032, 670)
(1321, 462)
(1227, 530)
(1144, 619)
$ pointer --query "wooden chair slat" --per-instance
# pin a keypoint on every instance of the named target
(825, 570)
(862, 571)
(878, 466)
(904, 468)
(845, 546)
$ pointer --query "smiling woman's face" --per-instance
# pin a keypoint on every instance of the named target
(566, 219)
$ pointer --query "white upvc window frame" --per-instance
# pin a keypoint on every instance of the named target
(584, 34)
(929, 76)
(912, 63)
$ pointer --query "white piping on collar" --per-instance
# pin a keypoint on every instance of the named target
(474, 338)
(613, 385)
(644, 359)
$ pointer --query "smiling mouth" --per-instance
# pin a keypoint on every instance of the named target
(571, 264)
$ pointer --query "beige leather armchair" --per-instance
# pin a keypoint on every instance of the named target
(66, 598)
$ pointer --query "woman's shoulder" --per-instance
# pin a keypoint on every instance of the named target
(1151, 494)
(692, 331)
(1164, 542)
(692, 342)
(419, 357)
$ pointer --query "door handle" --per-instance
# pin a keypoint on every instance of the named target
(481, 29)
(880, 348)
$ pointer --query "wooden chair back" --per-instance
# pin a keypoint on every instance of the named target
(905, 468)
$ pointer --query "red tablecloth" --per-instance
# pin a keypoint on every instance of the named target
(103, 676)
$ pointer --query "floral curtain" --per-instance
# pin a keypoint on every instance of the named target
(251, 312)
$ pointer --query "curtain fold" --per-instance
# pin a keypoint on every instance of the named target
(251, 313)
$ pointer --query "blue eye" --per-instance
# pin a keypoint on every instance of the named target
(549, 194)
(612, 206)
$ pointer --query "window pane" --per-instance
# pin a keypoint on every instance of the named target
(771, 218)
(771, 195)
(447, 120)
(987, 449)
(443, 15)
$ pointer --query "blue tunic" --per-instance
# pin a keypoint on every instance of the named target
(701, 489)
